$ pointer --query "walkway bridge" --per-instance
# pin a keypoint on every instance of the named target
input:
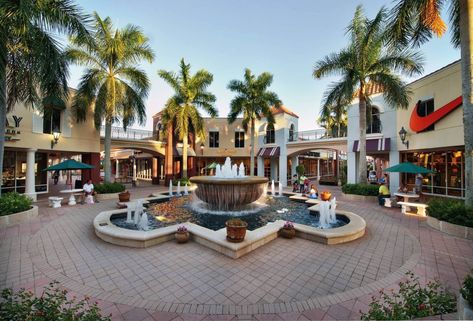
(304, 141)
(137, 139)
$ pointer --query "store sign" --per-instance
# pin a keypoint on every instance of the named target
(12, 129)
(419, 123)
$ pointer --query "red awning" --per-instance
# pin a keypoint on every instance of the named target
(374, 145)
(269, 152)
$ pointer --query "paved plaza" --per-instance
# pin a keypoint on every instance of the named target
(283, 280)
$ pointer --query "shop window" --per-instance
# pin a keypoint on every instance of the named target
(270, 135)
(52, 121)
(214, 139)
(239, 139)
(291, 133)
(373, 123)
(424, 108)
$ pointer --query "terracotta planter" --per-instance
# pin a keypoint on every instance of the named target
(236, 232)
(325, 196)
(182, 237)
(287, 233)
(124, 196)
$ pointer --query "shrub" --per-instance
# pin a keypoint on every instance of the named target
(360, 189)
(184, 181)
(53, 304)
(109, 188)
(300, 170)
(467, 289)
(450, 210)
(411, 302)
(11, 203)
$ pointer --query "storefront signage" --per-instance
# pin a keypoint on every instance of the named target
(419, 123)
(12, 128)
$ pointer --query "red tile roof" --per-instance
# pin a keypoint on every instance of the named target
(283, 109)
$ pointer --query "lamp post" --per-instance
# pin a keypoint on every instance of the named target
(402, 135)
(56, 133)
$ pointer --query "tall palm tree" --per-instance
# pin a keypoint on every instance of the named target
(334, 119)
(32, 64)
(182, 110)
(415, 22)
(253, 100)
(367, 60)
(112, 82)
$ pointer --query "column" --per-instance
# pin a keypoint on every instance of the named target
(30, 174)
(274, 168)
(117, 168)
(134, 171)
(260, 165)
(169, 158)
(394, 178)
(283, 170)
(351, 167)
(155, 171)
(318, 169)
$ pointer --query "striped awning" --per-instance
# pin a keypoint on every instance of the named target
(374, 145)
(269, 152)
(178, 152)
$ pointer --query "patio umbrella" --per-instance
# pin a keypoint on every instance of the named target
(407, 167)
(212, 165)
(68, 165)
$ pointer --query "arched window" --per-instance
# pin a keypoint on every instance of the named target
(159, 126)
(373, 121)
(270, 136)
(291, 133)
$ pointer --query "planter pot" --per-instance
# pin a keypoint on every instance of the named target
(325, 196)
(124, 196)
(287, 233)
(236, 233)
(465, 310)
(108, 196)
(20, 217)
(182, 237)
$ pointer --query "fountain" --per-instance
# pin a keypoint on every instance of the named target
(143, 222)
(170, 188)
(280, 189)
(178, 188)
(327, 215)
(128, 214)
(186, 189)
(229, 189)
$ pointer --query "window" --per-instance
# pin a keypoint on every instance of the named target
(51, 121)
(373, 121)
(213, 139)
(239, 139)
(270, 136)
(425, 108)
(291, 133)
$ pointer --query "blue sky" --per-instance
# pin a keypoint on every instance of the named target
(283, 37)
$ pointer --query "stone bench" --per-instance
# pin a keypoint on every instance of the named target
(406, 207)
(54, 201)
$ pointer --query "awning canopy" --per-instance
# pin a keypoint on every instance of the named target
(178, 151)
(269, 152)
(374, 145)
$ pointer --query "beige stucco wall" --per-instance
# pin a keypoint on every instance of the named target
(444, 86)
(83, 136)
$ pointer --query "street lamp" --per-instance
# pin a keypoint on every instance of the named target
(56, 133)
(202, 148)
(402, 135)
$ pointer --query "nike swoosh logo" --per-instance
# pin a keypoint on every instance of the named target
(420, 123)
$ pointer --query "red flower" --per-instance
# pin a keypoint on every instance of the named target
(422, 306)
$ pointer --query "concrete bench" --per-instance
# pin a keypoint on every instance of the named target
(54, 201)
(406, 207)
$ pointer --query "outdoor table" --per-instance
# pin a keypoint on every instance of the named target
(407, 196)
(72, 199)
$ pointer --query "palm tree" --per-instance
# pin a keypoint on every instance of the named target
(367, 60)
(415, 22)
(112, 82)
(253, 100)
(334, 119)
(32, 64)
(181, 111)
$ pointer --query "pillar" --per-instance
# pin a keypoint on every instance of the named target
(117, 168)
(30, 174)
(169, 157)
(274, 168)
(94, 173)
(283, 170)
(351, 167)
(394, 178)
(318, 169)
(134, 170)
(155, 171)
(260, 165)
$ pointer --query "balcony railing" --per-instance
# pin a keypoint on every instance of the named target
(129, 134)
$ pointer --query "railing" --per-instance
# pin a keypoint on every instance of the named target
(129, 134)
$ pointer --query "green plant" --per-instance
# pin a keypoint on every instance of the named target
(53, 304)
(360, 189)
(11, 203)
(184, 181)
(300, 170)
(412, 301)
(450, 210)
(109, 188)
(467, 289)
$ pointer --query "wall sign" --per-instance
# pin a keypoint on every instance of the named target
(419, 123)
(12, 128)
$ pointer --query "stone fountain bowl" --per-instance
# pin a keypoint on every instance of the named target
(227, 194)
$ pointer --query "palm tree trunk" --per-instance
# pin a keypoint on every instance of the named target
(3, 113)
(184, 156)
(466, 43)
(362, 142)
(252, 149)
(107, 166)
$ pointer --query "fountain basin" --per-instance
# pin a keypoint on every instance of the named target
(227, 194)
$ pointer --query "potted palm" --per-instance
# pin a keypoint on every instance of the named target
(288, 231)
(182, 234)
(465, 301)
(236, 230)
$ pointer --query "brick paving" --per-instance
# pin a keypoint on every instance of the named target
(283, 280)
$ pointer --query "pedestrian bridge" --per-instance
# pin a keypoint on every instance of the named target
(138, 139)
(304, 141)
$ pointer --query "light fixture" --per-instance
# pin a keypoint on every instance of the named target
(56, 133)
(202, 148)
(402, 135)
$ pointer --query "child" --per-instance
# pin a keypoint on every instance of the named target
(295, 183)
(313, 192)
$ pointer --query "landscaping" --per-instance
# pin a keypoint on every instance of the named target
(109, 188)
(451, 211)
(12, 203)
(360, 189)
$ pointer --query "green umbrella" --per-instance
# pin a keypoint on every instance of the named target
(211, 166)
(407, 167)
(69, 164)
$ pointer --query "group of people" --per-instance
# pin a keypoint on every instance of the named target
(303, 185)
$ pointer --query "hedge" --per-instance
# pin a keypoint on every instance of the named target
(109, 188)
(361, 189)
(11, 203)
(451, 211)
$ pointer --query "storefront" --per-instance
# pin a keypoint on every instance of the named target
(14, 171)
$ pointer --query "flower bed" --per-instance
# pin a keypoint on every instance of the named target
(16, 208)
(19, 217)
(107, 191)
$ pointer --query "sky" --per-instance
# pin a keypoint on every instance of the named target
(283, 37)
